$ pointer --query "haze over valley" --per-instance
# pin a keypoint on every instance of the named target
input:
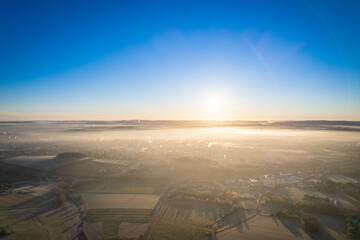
(180, 120)
(156, 179)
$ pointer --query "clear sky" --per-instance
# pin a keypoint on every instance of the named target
(274, 60)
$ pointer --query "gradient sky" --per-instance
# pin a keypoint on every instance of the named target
(273, 60)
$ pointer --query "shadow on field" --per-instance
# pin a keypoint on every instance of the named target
(188, 209)
(291, 225)
(56, 212)
(235, 219)
(33, 207)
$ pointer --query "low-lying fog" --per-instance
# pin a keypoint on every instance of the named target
(230, 142)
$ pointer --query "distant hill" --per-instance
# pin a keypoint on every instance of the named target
(70, 156)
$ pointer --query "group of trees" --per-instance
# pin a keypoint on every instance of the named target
(203, 197)
(5, 231)
(81, 202)
(323, 206)
(212, 232)
(327, 185)
(286, 214)
(62, 193)
(310, 224)
(214, 194)
(140, 237)
(352, 228)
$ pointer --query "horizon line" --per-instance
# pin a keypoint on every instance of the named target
(183, 120)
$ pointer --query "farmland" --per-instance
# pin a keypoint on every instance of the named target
(119, 215)
(235, 186)
(117, 208)
(182, 219)
(30, 212)
(264, 228)
(141, 201)
(132, 229)
(99, 230)
(120, 187)
(297, 193)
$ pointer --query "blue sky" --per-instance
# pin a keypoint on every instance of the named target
(274, 60)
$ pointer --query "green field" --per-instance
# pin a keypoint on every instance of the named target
(120, 187)
(119, 215)
(183, 219)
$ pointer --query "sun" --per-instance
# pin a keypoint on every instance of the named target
(214, 103)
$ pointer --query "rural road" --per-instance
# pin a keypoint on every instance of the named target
(258, 210)
(148, 231)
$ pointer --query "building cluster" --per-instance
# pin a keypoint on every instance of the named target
(272, 180)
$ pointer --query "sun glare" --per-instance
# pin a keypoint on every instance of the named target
(214, 103)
